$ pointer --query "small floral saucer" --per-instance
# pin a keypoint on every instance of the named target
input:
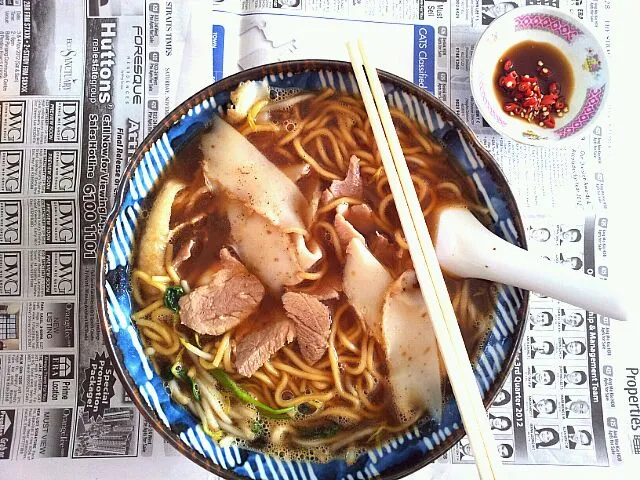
(583, 52)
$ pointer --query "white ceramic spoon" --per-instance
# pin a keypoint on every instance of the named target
(467, 249)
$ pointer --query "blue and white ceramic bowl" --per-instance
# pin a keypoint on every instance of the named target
(580, 46)
(400, 456)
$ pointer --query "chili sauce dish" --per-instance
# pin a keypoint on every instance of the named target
(539, 76)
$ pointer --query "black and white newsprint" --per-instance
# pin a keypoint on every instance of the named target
(82, 82)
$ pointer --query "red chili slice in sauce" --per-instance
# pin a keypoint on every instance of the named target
(530, 78)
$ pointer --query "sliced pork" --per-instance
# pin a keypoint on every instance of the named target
(411, 350)
(390, 255)
(365, 283)
(264, 340)
(327, 289)
(312, 321)
(231, 296)
(351, 186)
(185, 252)
(245, 174)
(295, 171)
(274, 256)
(267, 211)
(155, 238)
(361, 217)
(345, 231)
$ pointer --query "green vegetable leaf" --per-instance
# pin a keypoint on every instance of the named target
(257, 428)
(227, 382)
(171, 297)
(325, 431)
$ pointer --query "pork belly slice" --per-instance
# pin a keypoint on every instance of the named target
(267, 211)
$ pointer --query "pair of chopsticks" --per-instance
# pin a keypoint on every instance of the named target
(425, 262)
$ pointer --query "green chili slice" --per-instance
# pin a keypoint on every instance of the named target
(195, 389)
(226, 381)
(178, 371)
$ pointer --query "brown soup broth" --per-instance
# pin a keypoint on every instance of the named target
(442, 176)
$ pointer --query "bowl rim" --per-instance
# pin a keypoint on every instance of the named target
(226, 84)
(473, 67)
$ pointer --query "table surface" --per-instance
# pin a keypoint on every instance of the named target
(622, 170)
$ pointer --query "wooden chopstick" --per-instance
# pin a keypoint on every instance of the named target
(432, 285)
(472, 398)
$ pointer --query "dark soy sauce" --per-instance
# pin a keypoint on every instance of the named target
(525, 57)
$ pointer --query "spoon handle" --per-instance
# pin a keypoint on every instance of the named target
(466, 248)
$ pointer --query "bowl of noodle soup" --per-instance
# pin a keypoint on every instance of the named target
(254, 287)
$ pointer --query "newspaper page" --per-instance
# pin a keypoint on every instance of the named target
(79, 90)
